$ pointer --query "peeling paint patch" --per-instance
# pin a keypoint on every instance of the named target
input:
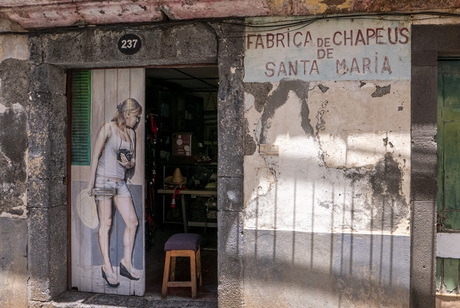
(278, 98)
(321, 122)
(390, 210)
(381, 91)
(249, 101)
(10, 215)
(260, 92)
(386, 178)
(231, 195)
(14, 47)
(166, 12)
(385, 141)
(249, 146)
(323, 88)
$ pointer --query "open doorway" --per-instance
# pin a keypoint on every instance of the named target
(181, 170)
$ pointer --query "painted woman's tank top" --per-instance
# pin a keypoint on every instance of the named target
(108, 165)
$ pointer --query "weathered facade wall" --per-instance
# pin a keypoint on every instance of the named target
(50, 13)
(328, 206)
(14, 106)
(316, 177)
(33, 202)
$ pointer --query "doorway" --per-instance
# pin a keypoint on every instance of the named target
(181, 170)
(176, 154)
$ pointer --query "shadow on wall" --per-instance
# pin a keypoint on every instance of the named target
(340, 269)
(327, 245)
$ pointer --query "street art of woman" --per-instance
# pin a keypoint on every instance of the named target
(113, 160)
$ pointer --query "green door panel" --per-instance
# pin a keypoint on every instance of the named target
(448, 141)
(451, 115)
(452, 83)
(451, 220)
(439, 264)
(448, 168)
(451, 157)
(451, 273)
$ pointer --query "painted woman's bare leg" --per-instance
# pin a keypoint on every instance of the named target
(105, 223)
(126, 208)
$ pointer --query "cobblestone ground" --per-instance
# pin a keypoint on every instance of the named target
(91, 300)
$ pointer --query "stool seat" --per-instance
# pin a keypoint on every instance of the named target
(182, 245)
(183, 241)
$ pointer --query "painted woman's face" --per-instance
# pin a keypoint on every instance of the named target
(132, 119)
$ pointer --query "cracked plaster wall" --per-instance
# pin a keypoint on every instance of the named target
(343, 162)
(333, 204)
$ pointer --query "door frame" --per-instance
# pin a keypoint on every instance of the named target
(53, 52)
(429, 42)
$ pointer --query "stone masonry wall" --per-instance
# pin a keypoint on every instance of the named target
(14, 106)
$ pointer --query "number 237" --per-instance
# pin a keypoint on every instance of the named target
(128, 44)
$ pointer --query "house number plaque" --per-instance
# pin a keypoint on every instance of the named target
(129, 44)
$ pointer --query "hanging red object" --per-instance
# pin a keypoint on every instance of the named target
(175, 196)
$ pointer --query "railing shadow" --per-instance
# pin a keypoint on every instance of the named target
(341, 266)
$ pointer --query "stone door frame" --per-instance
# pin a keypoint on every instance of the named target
(181, 43)
(429, 43)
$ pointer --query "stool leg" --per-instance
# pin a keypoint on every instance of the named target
(198, 266)
(193, 273)
(164, 289)
(172, 275)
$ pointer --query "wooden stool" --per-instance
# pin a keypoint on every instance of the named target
(182, 245)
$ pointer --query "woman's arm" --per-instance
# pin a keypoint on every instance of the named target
(101, 138)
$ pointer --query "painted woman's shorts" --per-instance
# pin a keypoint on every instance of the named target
(106, 183)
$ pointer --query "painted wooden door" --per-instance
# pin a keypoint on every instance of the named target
(448, 203)
(96, 96)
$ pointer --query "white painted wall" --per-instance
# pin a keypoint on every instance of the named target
(308, 186)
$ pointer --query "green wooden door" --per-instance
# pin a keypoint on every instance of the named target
(448, 203)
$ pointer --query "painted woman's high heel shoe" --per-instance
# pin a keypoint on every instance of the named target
(112, 285)
(124, 272)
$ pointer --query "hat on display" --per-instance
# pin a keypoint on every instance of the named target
(86, 208)
(176, 178)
